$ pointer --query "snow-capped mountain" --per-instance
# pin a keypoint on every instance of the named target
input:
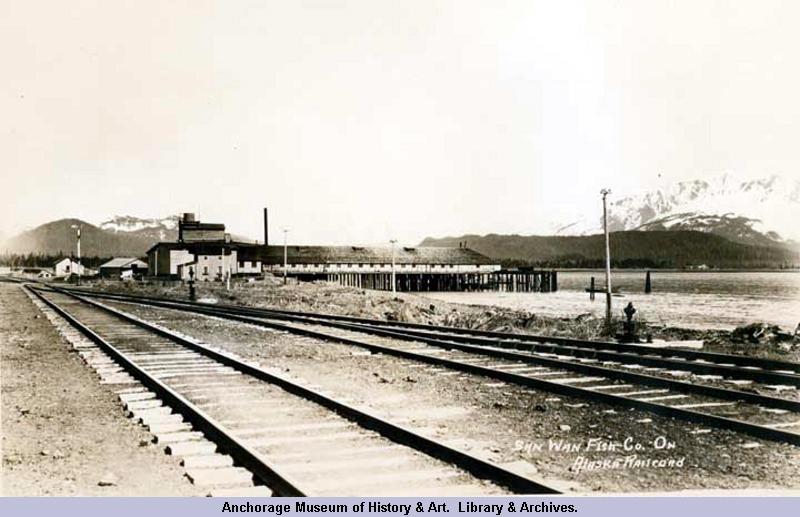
(763, 211)
(162, 229)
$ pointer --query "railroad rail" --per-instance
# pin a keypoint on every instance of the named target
(709, 359)
(661, 371)
(292, 438)
(758, 415)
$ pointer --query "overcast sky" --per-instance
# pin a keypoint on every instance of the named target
(356, 122)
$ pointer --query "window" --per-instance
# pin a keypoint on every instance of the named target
(205, 270)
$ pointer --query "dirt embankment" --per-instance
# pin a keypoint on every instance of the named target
(329, 298)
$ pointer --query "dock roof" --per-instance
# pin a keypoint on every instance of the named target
(122, 262)
(334, 254)
(374, 255)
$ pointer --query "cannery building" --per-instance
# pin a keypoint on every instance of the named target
(204, 250)
(326, 260)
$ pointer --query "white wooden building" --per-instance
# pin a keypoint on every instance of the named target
(377, 259)
(67, 267)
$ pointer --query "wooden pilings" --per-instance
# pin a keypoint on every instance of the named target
(507, 281)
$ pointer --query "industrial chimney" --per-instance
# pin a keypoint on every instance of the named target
(186, 217)
(266, 228)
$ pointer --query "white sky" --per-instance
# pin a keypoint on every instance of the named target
(355, 122)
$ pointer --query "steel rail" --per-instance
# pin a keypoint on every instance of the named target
(756, 430)
(478, 467)
(264, 471)
(652, 380)
(644, 379)
(624, 357)
(703, 368)
(712, 357)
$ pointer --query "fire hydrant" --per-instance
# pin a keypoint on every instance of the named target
(629, 327)
(192, 295)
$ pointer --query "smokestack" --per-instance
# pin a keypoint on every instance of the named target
(186, 217)
(266, 228)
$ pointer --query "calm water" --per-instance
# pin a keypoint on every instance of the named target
(695, 300)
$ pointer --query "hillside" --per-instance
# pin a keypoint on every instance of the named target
(671, 249)
(58, 238)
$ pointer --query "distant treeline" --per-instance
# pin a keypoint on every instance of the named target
(654, 249)
(584, 263)
(580, 262)
(45, 260)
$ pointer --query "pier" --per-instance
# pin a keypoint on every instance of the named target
(509, 280)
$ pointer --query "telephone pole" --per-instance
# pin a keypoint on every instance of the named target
(394, 280)
(78, 229)
(605, 193)
(285, 256)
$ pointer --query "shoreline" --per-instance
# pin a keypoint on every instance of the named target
(331, 298)
(674, 270)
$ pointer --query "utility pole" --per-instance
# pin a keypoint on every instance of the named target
(394, 279)
(605, 193)
(78, 229)
(285, 257)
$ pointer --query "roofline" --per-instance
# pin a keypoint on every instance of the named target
(128, 262)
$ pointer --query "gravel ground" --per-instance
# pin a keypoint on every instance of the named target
(508, 423)
(62, 432)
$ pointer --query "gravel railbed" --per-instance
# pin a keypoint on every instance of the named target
(64, 433)
(507, 423)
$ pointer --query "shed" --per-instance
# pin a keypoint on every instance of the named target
(115, 267)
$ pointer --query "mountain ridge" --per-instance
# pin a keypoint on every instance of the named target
(661, 249)
(126, 235)
(749, 211)
(58, 237)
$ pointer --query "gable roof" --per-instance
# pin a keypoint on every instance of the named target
(374, 255)
(32, 269)
(332, 254)
(59, 261)
(124, 262)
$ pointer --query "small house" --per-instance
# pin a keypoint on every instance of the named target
(66, 267)
(123, 267)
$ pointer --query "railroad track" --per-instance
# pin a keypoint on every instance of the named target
(234, 422)
(644, 381)
(701, 362)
